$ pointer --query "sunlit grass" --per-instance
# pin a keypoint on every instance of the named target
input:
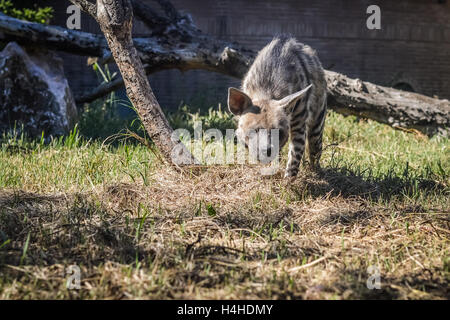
(373, 150)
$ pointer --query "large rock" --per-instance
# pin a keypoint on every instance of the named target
(34, 92)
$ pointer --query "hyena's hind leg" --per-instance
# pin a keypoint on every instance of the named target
(315, 135)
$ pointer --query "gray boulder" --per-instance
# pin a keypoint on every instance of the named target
(34, 93)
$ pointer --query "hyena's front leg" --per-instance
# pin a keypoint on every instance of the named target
(315, 134)
(296, 150)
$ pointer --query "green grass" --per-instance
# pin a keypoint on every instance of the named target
(384, 152)
(37, 14)
(140, 230)
(365, 148)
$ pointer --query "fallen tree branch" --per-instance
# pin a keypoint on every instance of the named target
(399, 109)
(230, 63)
(52, 37)
(101, 91)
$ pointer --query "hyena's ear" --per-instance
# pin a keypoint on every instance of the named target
(238, 101)
(288, 103)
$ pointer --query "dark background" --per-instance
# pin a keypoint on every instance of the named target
(411, 51)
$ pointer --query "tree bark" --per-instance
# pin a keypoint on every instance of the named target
(115, 20)
(52, 37)
(176, 43)
(397, 108)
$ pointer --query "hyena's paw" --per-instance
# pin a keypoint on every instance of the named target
(314, 167)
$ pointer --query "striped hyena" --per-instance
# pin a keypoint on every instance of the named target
(284, 89)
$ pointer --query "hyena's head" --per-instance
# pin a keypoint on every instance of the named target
(261, 116)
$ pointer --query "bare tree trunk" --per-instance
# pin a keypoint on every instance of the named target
(176, 43)
(115, 20)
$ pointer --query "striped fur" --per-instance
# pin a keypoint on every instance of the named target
(282, 68)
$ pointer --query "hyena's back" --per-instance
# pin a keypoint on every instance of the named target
(281, 68)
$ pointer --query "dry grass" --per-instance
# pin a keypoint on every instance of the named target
(225, 233)
(137, 229)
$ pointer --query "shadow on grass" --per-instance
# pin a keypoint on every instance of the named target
(63, 229)
(349, 183)
(85, 231)
(75, 229)
(72, 229)
(426, 283)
